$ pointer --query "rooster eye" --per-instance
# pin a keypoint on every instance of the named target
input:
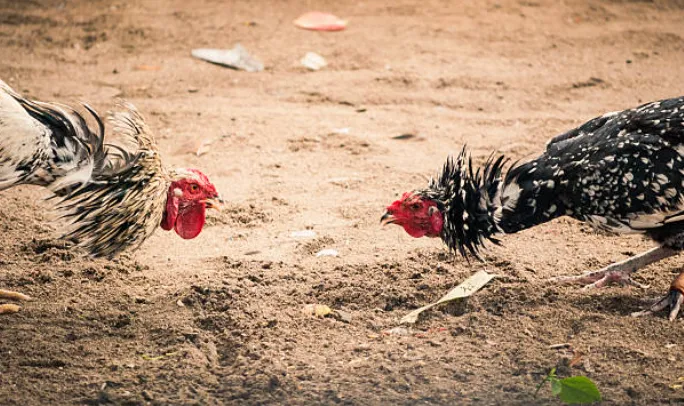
(194, 187)
(415, 206)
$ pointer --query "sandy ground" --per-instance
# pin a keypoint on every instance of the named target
(217, 320)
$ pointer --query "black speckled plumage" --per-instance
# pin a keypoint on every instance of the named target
(465, 199)
(621, 172)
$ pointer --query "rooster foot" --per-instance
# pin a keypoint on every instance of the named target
(673, 300)
(619, 272)
(9, 295)
(599, 279)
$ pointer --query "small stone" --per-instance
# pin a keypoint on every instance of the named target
(191, 336)
(313, 61)
(327, 253)
(147, 396)
(303, 234)
(342, 316)
(397, 331)
(341, 131)
(405, 136)
(317, 310)
(235, 58)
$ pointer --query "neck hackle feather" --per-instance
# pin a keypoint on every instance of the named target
(123, 202)
(468, 200)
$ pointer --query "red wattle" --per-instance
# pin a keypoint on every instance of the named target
(190, 221)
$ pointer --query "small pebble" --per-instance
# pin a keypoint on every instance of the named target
(303, 234)
(327, 253)
(342, 316)
(397, 331)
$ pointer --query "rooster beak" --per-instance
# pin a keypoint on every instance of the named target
(387, 218)
(214, 203)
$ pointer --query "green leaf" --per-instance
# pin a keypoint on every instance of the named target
(578, 389)
(556, 387)
(551, 375)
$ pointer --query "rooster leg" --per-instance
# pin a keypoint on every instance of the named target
(618, 272)
(9, 295)
(674, 300)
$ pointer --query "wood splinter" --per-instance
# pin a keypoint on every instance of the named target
(9, 308)
(9, 295)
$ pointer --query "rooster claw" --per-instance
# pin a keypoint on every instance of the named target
(673, 300)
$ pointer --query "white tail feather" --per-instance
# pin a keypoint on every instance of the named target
(79, 178)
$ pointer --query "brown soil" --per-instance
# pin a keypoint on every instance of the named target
(218, 320)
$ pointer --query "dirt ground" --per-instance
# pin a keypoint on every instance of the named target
(218, 320)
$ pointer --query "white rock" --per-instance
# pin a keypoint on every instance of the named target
(236, 58)
(313, 61)
(327, 253)
(303, 234)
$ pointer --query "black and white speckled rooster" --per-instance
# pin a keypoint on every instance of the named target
(622, 172)
(112, 198)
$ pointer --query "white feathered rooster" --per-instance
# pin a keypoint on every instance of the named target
(111, 198)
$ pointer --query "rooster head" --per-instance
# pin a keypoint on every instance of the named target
(461, 205)
(419, 215)
(187, 199)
